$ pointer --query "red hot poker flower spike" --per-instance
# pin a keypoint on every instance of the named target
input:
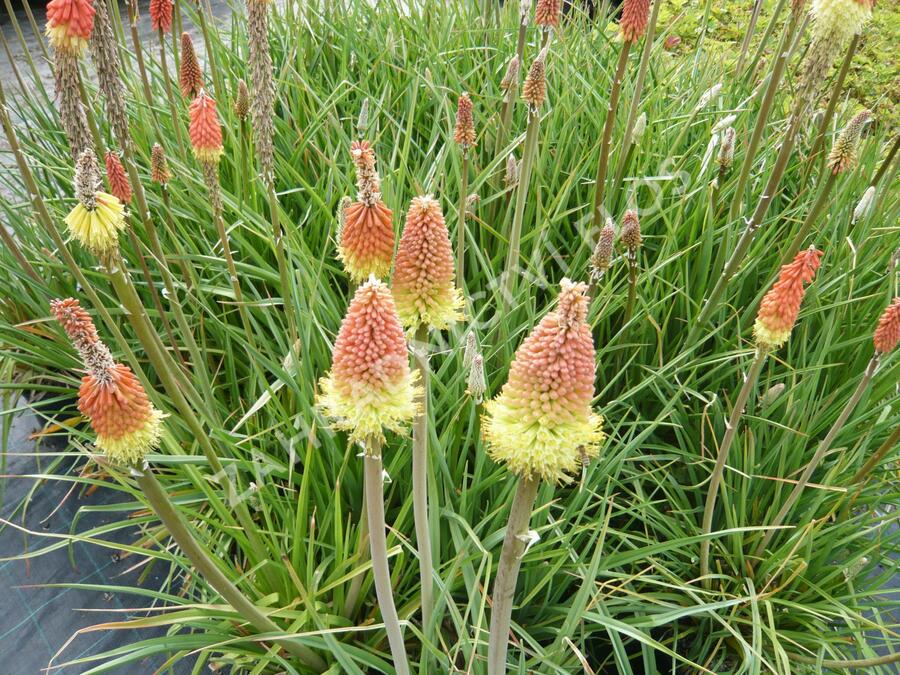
(205, 130)
(118, 180)
(779, 308)
(887, 334)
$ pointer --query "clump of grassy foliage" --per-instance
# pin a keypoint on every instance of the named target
(612, 580)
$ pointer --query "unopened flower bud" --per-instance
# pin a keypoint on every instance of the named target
(476, 382)
(602, 256)
(865, 204)
(631, 232)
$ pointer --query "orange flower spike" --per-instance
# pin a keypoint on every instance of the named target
(190, 77)
(546, 13)
(887, 334)
(205, 130)
(542, 425)
(110, 396)
(370, 386)
(161, 15)
(635, 14)
(423, 287)
(779, 308)
(118, 180)
(70, 24)
(464, 133)
(366, 244)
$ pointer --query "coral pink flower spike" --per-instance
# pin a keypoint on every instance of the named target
(541, 425)
(423, 287)
(779, 308)
(70, 24)
(111, 397)
(118, 180)
(370, 386)
(366, 246)
(161, 15)
(887, 334)
(205, 130)
(634, 19)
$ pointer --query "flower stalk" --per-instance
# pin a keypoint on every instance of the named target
(374, 477)
(774, 322)
(534, 92)
(817, 458)
(161, 504)
(514, 543)
(715, 479)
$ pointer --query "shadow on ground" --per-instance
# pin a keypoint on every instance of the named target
(36, 622)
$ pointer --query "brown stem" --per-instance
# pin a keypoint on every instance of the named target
(600, 183)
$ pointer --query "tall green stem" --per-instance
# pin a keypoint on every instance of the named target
(747, 236)
(600, 184)
(211, 572)
(715, 480)
(461, 221)
(876, 457)
(378, 546)
(632, 287)
(811, 217)
(824, 447)
(515, 235)
(762, 116)
(420, 479)
(514, 543)
(628, 139)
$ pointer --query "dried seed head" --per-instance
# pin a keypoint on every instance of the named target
(634, 19)
(241, 103)
(368, 183)
(546, 13)
(602, 256)
(111, 397)
(370, 386)
(205, 130)
(887, 334)
(511, 78)
(471, 348)
(779, 308)
(534, 91)
(87, 178)
(511, 179)
(159, 165)
(190, 77)
(843, 152)
(542, 419)
(476, 382)
(68, 94)
(865, 204)
(726, 151)
(631, 232)
(262, 84)
(118, 179)
(424, 286)
(161, 15)
(69, 24)
(464, 133)
(105, 53)
(640, 126)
